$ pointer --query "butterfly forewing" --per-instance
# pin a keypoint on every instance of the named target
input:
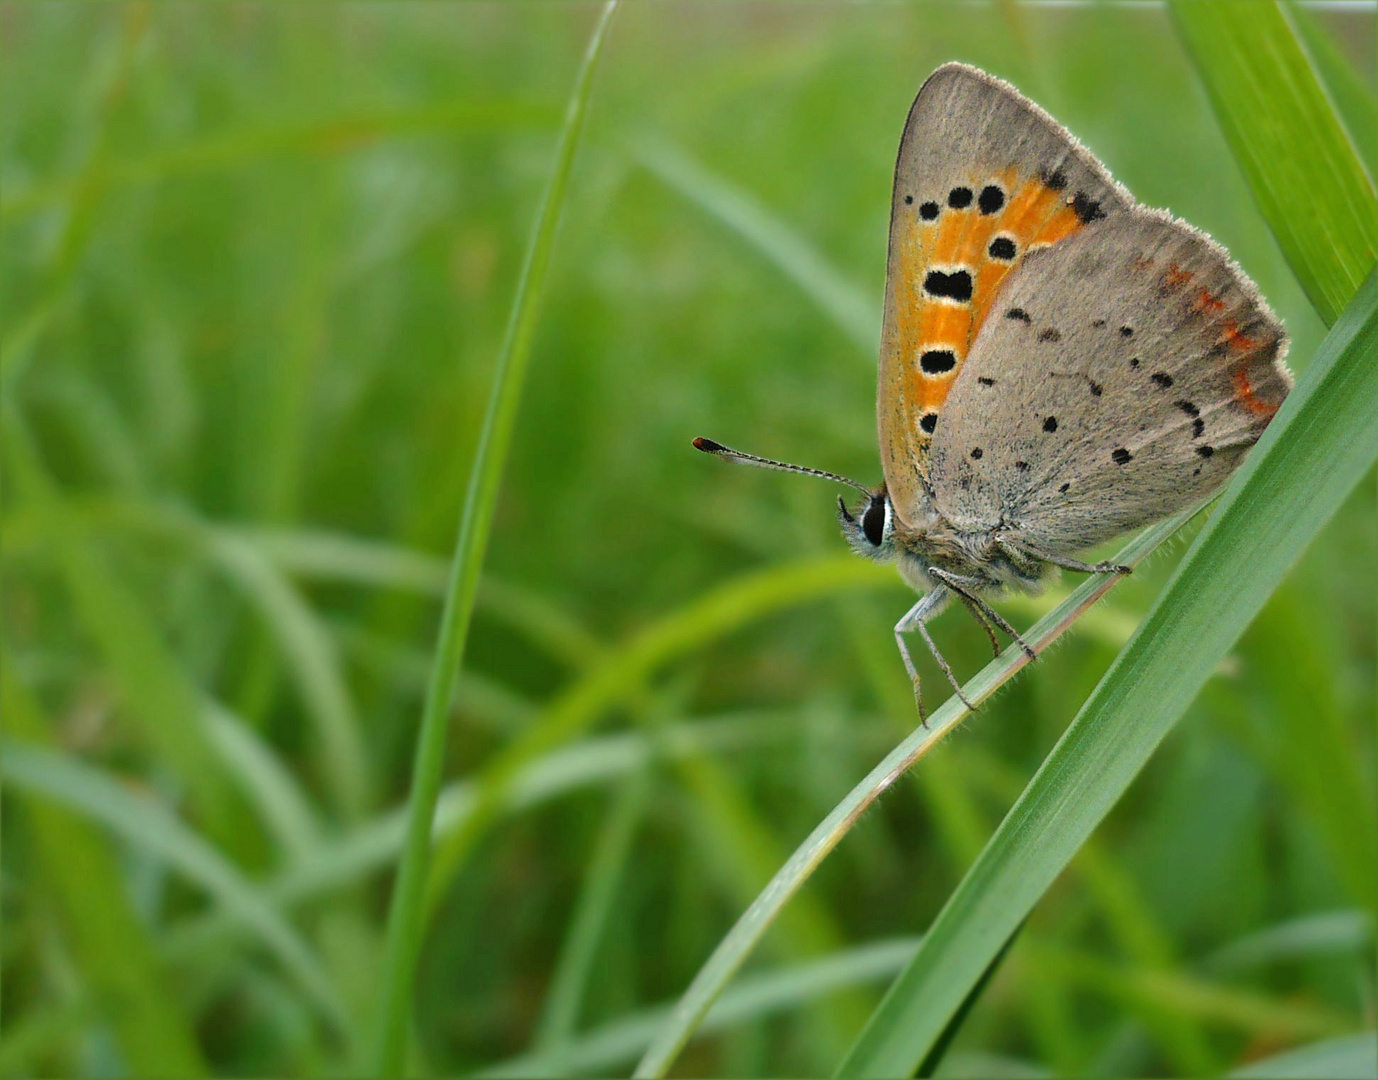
(1121, 376)
(984, 178)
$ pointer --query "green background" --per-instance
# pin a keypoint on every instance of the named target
(257, 263)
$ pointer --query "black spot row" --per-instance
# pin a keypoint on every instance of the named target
(1126, 331)
(1121, 456)
(1205, 451)
(954, 286)
(1096, 388)
(976, 453)
(1050, 424)
(1018, 313)
(938, 361)
(1022, 466)
(990, 201)
(1050, 334)
(1162, 378)
(984, 381)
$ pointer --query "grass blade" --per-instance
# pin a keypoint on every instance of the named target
(406, 917)
(1312, 455)
(107, 939)
(1351, 1057)
(151, 826)
(1306, 177)
(733, 950)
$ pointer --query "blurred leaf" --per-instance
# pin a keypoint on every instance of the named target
(1306, 178)
(1316, 449)
(406, 915)
(149, 826)
(1353, 1057)
(841, 300)
(755, 995)
(1309, 935)
(108, 940)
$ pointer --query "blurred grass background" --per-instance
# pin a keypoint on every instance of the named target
(257, 263)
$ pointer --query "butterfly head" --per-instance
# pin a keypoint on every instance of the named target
(871, 530)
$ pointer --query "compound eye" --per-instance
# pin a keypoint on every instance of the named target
(873, 521)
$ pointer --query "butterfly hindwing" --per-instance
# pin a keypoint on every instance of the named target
(984, 177)
(1122, 375)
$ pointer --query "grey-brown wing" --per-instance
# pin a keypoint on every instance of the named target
(1121, 376)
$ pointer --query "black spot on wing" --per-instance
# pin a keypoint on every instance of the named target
(953, 286)
(938, 361)
(992, 198)
(976, 453)
(928, 421)
(959, 198)
(1050, 424)
(1002, 247)
(1121, 456)
(1050, 334)
(928, 211)
(1086, 208)
(908, 200)
(1018, 314)
(985, 380)
(1056, 179)
(1205, 451)
(1162, 378)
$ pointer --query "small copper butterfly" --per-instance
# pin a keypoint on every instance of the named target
(1058, 363)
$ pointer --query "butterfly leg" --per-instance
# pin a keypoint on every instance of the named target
(1023, 547)
(979, 616)
(987, 614)
(916, 618)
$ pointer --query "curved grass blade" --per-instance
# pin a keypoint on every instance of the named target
(76, 877)
(1305, 175)
(733, 950)
(406, 917)
(149, 825)
(1310, 458)
(850, 309)
(1351, 1057)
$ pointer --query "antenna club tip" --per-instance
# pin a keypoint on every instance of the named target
(708, 446)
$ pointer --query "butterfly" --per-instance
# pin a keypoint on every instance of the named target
(1058, 364)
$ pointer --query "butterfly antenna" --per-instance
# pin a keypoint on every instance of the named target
(708, 446)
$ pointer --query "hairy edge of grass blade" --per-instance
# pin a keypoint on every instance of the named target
(406, 916)
(732, 951)
(1310, 458)
(1304, 172)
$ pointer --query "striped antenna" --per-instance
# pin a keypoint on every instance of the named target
(708, 446)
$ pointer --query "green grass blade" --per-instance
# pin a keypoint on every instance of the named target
(1312, 455)
(759, 994)
(1354, 100)
(150, 826)
(851, 310)
(1351, 1057)
(592, 914)
(733, 950)
(406, 917)
(106, 937)
(1305, 174)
